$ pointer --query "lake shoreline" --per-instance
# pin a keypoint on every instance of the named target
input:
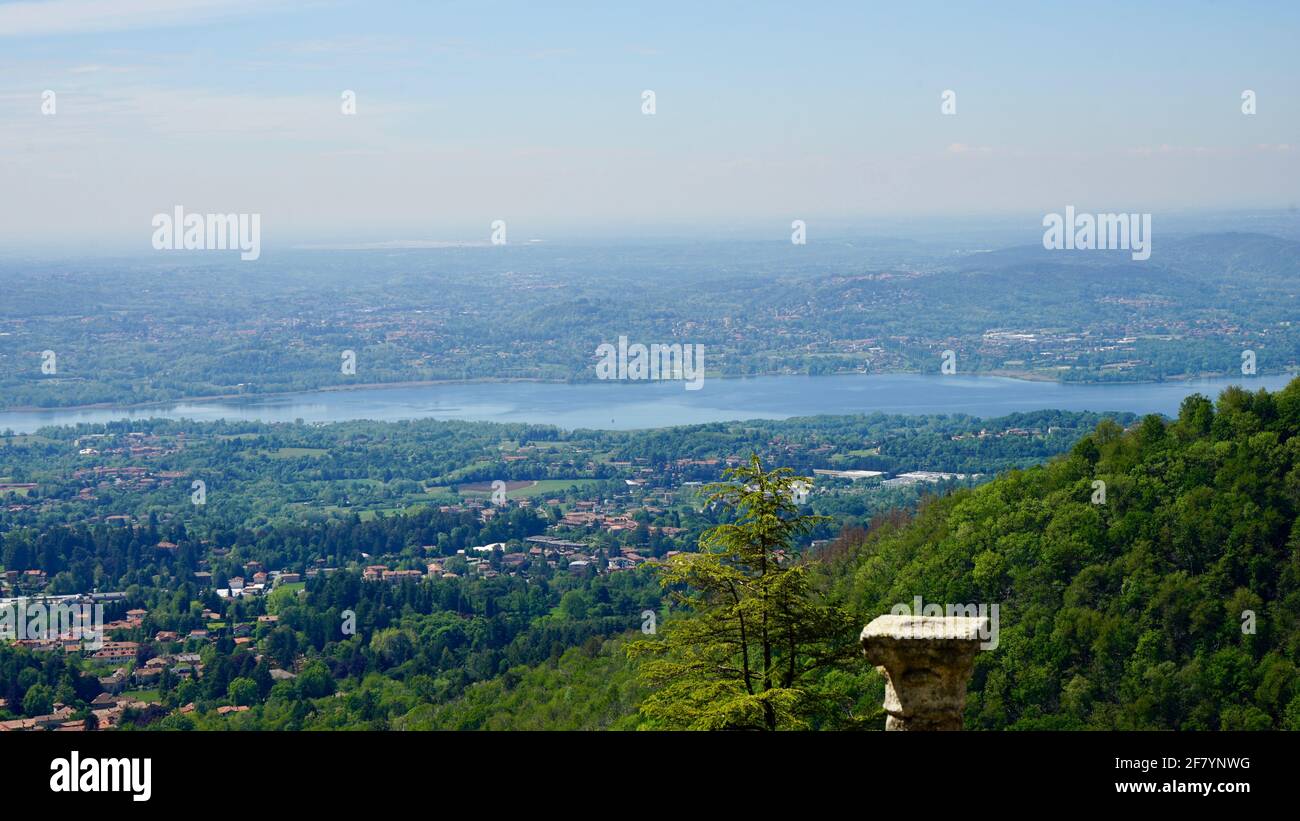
(1022, 376)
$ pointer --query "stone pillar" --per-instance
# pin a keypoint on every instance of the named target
(926, 661)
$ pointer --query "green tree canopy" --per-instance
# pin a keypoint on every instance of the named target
(757, 640)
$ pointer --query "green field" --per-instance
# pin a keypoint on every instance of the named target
(294, 453)
(546, 487)
(440, 493)
(541, 487)
(20, 439)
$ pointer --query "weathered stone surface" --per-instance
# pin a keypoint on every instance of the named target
(926, 661)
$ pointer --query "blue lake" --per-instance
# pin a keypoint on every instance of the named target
(625, 405)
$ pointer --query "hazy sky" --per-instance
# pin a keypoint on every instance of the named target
(532, 112)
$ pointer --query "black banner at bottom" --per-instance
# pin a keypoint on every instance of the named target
(150, 771)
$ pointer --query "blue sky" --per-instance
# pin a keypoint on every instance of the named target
(531, 112)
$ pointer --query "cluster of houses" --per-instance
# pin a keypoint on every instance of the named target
(985, 433)
(110, 705)
(181, 665)
(588, 515)
(478, 561)
(121, 688)
(67, 622)
(126, 477)
(135, 444)
(24, 581)
(258, 583)
(107, 715)
(576, 556)
(380, 572)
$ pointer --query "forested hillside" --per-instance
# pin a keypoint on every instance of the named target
(1173, 604)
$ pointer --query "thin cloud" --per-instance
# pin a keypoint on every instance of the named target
(1177, 150)
(55, 17)
(99, 69)
(361, 44)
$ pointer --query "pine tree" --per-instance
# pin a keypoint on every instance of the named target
(755, 638)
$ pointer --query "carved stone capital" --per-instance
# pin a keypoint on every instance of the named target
(926, 661)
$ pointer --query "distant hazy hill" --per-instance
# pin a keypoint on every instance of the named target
(1235, 254)
(129, 332)
(1217, 255)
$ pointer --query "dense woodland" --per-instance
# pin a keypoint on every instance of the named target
(1128, 614)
